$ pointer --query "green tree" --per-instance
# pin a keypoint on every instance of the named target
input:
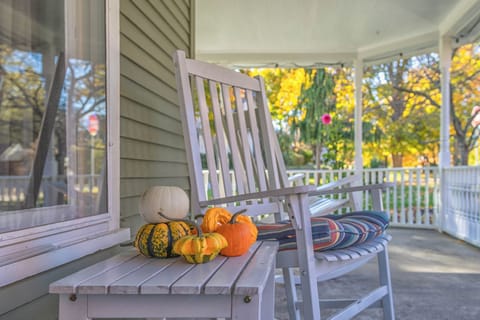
(408, 126)
(314, 102)
(283, 88)
(424, 85)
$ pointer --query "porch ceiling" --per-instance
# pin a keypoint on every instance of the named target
(309, 32)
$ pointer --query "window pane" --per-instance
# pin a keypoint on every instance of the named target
(52, 111)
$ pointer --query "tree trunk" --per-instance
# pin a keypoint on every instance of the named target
(397, 160)
(318, 154)
(461, 152)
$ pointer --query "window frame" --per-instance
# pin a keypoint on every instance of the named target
(27, 252)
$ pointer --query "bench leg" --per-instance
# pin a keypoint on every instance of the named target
(268, 297)
(246, 307)
(259, 306)
(72, 307)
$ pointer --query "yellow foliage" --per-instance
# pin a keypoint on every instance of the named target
(283, 88)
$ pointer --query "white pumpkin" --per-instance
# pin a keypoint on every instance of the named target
(171, 201)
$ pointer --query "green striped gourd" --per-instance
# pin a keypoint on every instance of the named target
(157, 239)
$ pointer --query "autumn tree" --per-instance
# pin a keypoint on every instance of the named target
(408, 123)
(317, 122)
(424, 85)
(283, 88)
(23, 90)
(401, 116)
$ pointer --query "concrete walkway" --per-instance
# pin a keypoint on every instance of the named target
(434, 277)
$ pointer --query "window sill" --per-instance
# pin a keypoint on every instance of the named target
(31, 261)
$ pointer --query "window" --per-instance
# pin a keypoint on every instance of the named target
(58, 130)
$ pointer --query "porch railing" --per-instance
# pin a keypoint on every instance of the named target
(461, 212)
(413, 201)
(13, 188)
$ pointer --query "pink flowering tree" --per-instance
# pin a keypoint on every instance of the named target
(312, 122)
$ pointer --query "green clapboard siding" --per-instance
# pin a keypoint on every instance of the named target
(29, 298)
(151, 142)
(152, 146)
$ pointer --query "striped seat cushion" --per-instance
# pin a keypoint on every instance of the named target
(331, 231)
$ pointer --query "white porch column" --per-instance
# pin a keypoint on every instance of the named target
(358, 65)
(445, 48)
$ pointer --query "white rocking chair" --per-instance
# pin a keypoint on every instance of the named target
(227, 128)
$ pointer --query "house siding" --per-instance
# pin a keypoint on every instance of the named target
(151, 141)
(152, 147)
(29, 298)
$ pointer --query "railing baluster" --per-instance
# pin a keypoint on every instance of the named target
(418, 212)
(395, 198)
(410, 197)
(426, 216)
(387, 193)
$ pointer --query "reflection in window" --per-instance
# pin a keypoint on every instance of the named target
(52, 111)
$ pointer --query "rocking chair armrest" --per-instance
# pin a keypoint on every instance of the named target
(310, 190)
(341, 183)
(367, 187)
(274, 193)
(297, 179)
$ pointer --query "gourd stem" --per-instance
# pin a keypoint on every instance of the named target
(235, 215)
(190, 223)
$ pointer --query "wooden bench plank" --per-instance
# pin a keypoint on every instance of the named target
(131, 283)
(162, 281)
(69, 284)
(101, 283)
(223, 280)
(194, 281)
(254, 277)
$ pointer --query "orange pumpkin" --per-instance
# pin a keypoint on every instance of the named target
(217, 216)
(239, 235)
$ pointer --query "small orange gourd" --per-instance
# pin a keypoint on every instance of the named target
(239, 236)
(215, 217)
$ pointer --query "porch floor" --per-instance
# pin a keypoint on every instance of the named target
(434, 276)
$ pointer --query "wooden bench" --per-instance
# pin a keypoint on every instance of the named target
(130, 285)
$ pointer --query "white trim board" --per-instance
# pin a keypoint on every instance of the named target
(61, 254)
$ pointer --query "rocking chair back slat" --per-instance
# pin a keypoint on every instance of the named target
(198, 192)
(223, 112)
(206, 134)
(222, 148)
(244, 141)
(232, 140)
(257, 149)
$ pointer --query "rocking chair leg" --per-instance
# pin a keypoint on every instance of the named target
(385, 280)
(291, 293)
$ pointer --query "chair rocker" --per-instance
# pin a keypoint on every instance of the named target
(229, 135)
